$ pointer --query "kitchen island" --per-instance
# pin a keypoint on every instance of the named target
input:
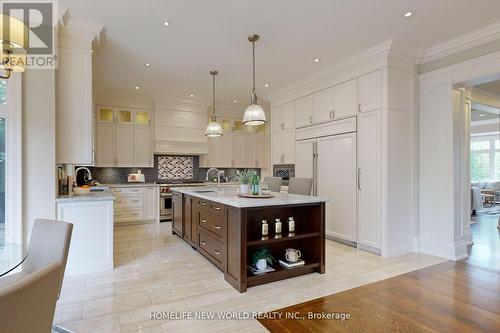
(227, 230)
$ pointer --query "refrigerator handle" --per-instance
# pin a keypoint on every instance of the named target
(315, 168)
(359, 178)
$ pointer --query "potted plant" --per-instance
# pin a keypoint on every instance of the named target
(244, 177)
(261, 258)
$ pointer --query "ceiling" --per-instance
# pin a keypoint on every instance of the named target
(205, 35)
(492, 87)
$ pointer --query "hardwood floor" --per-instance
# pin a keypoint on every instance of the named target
(486, 249)
(448, 297)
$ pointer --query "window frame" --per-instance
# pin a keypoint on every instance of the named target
(491, 138)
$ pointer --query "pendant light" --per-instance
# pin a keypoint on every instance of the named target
(254, 114)
(214, 129)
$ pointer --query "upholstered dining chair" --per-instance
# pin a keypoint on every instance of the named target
(300, 186)
(28, 304)
(274, 183)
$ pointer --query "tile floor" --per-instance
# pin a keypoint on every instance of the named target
(156, 271)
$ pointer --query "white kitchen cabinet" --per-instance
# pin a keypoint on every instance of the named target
(124, 145)
(262, 151)
(142, 147)
(283, 117)
(304, 166)
(105, 115)
(151, 203)
(105, 149)
(91, 248)
(345, 99)
(277, 148)
(142, 118)
(238, 158)
(369, 178)
(322, 105)
(124, 116)
(303, 111)
(225, 151)
(370, 92)
(336, 179)
(283, 147)
(277, 118)
(74, 107)
(250, 158)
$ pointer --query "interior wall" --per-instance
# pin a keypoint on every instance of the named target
(39, 147)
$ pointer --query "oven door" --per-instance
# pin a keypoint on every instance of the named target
(165, 206)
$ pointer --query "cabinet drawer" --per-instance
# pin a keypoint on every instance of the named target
(203, 204)
(212, 222)
(129, 201)
(212, 247)
(119, 191)
(217, 209)
(128, 215)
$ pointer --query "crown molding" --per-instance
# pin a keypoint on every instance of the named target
(461, 43)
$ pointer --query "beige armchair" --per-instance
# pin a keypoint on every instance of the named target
(28, 304)
(274, 183)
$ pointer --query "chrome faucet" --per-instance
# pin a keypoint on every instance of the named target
(86, 169)
(218, 176)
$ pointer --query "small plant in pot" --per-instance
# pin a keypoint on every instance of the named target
(261, 258)
(244, 177)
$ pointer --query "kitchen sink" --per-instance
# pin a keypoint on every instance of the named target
(203, 191)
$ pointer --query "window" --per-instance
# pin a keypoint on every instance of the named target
(485, 158)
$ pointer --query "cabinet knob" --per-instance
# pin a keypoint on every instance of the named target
(216, 208)
(333, 113)
(203, 243)
(359, 107)
(310, 119)
(203, 203)
(218, 227)
(217, 252)
(203, 221)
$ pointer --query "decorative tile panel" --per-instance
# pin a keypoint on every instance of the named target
(175, 167)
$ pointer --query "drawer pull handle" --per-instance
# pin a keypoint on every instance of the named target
(216, 208)
(218, 227)
(135, 200)
(203, 221)
(135, 214)
(203, 243)
(203, 203)
(217, 252)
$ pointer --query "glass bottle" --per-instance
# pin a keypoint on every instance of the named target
(277, 226)
(291, 225)
(265, 228)
(255, 185)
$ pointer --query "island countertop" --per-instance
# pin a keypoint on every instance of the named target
(228, 195)
(92, 196)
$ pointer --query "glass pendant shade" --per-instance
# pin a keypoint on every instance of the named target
(254, 115)
(214, 129)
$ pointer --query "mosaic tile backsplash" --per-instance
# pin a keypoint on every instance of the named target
(175, 167)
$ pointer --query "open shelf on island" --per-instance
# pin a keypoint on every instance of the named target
(280, 273)
(283, 238)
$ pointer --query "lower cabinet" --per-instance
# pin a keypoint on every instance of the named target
(177, 214)
(136, 204)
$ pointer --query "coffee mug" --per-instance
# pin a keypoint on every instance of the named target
(292, 255)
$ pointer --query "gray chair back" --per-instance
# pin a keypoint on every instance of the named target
(28, 304)
(300, 186)
(49, 243)
(274, 183)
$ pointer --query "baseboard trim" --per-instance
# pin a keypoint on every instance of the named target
(340, 240)
(368, 248)
(455, 251)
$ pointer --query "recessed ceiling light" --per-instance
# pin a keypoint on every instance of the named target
(316, 60)
(191, 95)
(136, 88)
(166, 24)
(235, 101)
(481, 115)
(266, 85)
(408, 14)
(147, 64)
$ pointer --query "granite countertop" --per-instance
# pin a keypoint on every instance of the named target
(228, 195)
(131, 185)
(93, 196)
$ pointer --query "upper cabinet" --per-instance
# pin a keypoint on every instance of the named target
(303, 111)
(345, 99)
(123, 137)
(322, 105)
(370, 91)
(283, 117)
(74, 104)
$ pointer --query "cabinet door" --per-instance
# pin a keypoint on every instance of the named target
(124, 117)
(289, 147)
(105, 115)
(142, 147)
(288, 116)
(225, 151)
(251, 151)
(124, 146)
(105, 140)
(337, 181)
(142, 118)
(188, 225)
(303, 111)
(369, 178)
(370, 92)
(345, 99)
(277, 118)
(304, 167)
(151, 203)
(262, 151)
(277, 148)
(177, 214)
(322, 105)
(238, 148)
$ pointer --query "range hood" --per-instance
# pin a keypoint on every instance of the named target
(180, 148)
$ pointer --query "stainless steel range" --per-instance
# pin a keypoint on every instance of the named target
(166, 196)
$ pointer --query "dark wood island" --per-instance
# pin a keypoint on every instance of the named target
(226, 230)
